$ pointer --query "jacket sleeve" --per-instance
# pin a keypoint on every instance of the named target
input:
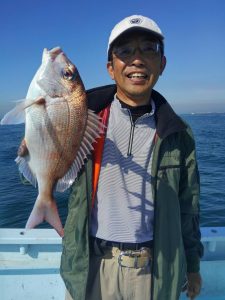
(189, 193)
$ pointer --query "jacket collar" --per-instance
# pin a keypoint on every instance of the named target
(167, 121)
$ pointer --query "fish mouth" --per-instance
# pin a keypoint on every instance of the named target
(51, 53)
(55, 51)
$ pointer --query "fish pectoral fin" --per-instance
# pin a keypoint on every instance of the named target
(39, 101)
(17, 114)
(45, 211)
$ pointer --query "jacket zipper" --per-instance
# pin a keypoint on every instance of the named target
(131, 138)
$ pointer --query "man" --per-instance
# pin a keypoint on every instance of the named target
(132, 230)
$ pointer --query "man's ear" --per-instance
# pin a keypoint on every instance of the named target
(110, 69)
(163, 64)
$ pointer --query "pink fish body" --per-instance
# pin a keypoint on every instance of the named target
(59, 132)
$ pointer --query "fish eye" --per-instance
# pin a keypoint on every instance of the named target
(68, 75)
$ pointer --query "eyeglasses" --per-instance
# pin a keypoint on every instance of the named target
(147, 48)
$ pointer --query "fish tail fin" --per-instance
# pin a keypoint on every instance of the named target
(45, 211)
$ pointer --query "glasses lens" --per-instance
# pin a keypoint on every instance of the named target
(147, 48)
(123, 51)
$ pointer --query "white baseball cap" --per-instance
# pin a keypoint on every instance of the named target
(134, 22)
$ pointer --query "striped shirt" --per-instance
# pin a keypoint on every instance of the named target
(123, 209)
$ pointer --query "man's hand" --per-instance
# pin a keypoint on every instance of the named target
(194, 283)
(23, 150)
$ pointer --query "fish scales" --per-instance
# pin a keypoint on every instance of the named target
(53, 145)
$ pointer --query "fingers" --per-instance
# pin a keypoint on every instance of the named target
(192, 291)
(23, 150)
(194, 285)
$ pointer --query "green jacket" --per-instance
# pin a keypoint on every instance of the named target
(175, 189)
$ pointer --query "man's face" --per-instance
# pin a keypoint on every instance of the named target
(136, 65)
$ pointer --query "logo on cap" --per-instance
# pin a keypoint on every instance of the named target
(136, 21)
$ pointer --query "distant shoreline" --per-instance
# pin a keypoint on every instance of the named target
(203, 113)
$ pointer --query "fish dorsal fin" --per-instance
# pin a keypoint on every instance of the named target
(25, 169)
(93, 130)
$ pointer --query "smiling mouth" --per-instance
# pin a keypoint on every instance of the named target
(137, 75)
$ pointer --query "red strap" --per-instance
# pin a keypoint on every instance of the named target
(155, 139)
(98, 151)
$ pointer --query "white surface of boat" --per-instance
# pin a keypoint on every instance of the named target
(29, 265)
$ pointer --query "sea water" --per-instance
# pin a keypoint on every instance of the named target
(17, 199)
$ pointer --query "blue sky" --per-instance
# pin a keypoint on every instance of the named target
(194, 79)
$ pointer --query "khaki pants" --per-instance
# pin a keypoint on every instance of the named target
(109, 281)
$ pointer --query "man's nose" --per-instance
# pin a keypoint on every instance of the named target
(137, 57)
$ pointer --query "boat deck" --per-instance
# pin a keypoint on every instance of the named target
(29, 265)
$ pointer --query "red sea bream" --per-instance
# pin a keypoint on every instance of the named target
(59, 132)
